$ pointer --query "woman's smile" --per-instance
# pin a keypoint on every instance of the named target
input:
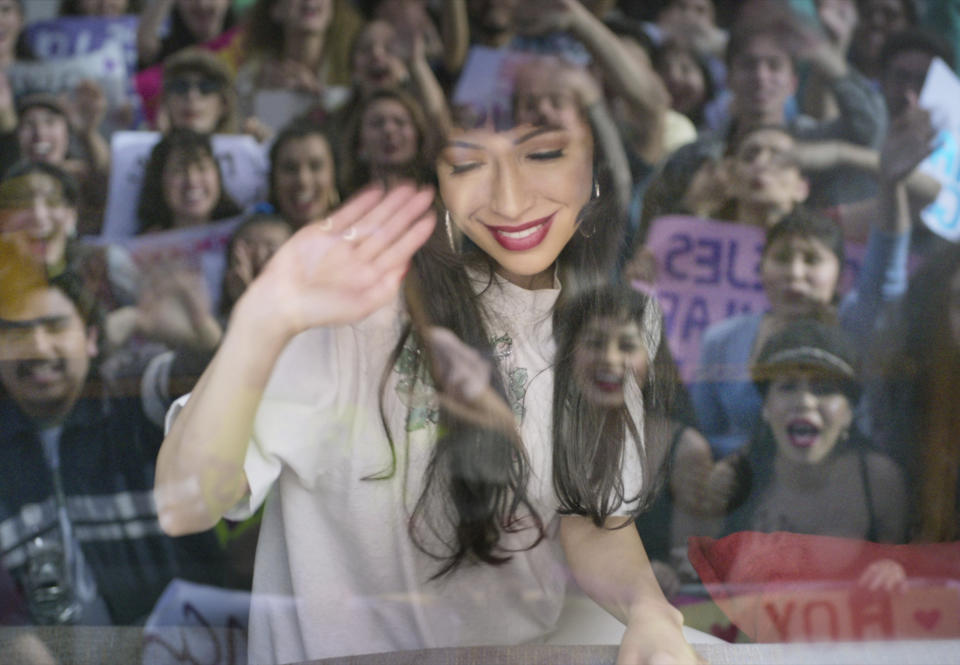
(522, 237)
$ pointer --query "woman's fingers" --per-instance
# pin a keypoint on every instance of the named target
(350, 212)
(399, 252)
(385, 225)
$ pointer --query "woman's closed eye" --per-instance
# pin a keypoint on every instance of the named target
(546, 155)
(463, 167)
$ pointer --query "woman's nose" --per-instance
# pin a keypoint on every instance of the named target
(508, 198)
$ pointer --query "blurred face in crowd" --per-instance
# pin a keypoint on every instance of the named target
(684, 80)
(799, 275)
(517, 193)
(45, 352)
(903, 78)
(191, 187)
(878, 20)
(376, 58)
(265, 238)
(762, 79)
(303, 179)
(203, 18)
(388, 136)
(808, 414)
(303, 15)
(545, 92)
(194, 101)
(11, 23)
(43, 135)
(492, 15)
(35, 217)
(102, 7)
(608, 355)
(689, 11)
(765, 174)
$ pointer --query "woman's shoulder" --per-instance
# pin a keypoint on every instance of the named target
(736, 329)
(882, 469)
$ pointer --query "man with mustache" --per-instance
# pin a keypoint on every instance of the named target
(78, 527)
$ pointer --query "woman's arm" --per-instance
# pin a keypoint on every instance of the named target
(330, 273)
(455, 33)
(431, 94)
(612, 567)
(148, 39)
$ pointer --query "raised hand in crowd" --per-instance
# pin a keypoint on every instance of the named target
(174, 309)
(8, 109)
(693, 24)
(884, 575)
(87, 107)
(289, 75)
(412, 23)
(839, 20)
(253, 244)
(699, 485)
(910, 139)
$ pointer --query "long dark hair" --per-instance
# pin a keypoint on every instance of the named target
(72, 7)
(180, 36)
(152, 209)
(295, 131)
(590, 441)
(475, 484)
(356, 172)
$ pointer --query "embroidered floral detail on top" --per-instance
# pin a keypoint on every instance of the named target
(417, 392)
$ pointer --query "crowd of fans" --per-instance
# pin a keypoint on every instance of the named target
(798, 119)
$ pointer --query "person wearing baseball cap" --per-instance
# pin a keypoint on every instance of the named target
(809, 469)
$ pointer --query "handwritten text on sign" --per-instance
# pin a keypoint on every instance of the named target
(68, 36)
(708, 272)
(822, 614)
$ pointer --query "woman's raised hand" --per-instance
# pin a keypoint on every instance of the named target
(342, 268)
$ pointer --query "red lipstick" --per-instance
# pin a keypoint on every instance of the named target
(523, 236)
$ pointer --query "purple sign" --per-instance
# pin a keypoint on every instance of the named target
(78, 35)
(709, 271)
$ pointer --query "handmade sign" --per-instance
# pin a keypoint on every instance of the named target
(106, 65)
(70, 36)
(243, 165)
(788, 587)
(709, 271)
(202, 249)
(817, 613)
(940, 93)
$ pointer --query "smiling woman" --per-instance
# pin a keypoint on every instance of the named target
(447, 520)
(518, 194)
(182, 185)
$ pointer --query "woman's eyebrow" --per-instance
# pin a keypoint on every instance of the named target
(52, 319)
(526, 137)
(537, 132)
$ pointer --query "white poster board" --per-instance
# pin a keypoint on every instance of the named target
(243, 164)
(941, 96)
(106, 65)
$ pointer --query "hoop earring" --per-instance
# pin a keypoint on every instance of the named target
(586, 234)
(449, 226)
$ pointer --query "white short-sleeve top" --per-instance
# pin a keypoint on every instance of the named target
(336, 570)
